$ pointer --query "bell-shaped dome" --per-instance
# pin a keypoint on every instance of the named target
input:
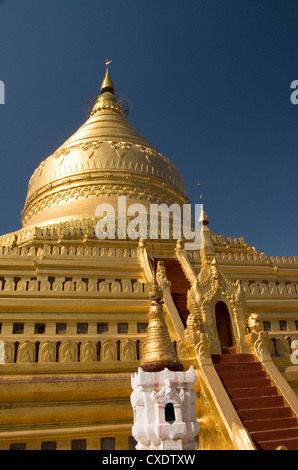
(105, 158)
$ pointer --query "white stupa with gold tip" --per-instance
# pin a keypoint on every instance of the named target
(163, 397)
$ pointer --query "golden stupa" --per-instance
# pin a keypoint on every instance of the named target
(74, 310)
(105, 158)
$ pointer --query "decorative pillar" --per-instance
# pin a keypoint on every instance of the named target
(163, 398)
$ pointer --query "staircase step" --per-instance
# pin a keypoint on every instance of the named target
(260, 402)
(265, 413)
(176, 273)
(267, 424)
(274, 434)
(224, 358)
(238, 366)
(252, 392)
(178, 283)
(244, 384)
(290, 444)
(180, 306)
(243, 375)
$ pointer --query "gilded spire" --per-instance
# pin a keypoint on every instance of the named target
(203, 219)
(107, 84)
(158, 352)
(107, 100)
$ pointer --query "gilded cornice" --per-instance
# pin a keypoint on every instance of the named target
(131, 187)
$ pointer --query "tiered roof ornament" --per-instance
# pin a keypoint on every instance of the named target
(107, 84)
(158, 352)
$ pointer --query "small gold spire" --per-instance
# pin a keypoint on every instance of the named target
(107, 84)
(158, 351)
(203, 219)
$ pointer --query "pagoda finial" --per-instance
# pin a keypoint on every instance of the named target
(158, 352)
(107, 84)
(203, 219)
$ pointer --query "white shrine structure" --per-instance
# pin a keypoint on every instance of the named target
(163, 398)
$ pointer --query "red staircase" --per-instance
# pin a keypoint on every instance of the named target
(179, 285)
(262, 410)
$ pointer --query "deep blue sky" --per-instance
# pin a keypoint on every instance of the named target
(209, 86)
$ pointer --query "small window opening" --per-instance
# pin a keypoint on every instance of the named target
(267, 325)
(170, 413)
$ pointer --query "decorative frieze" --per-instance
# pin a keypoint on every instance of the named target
(270, 288)
(67, 251)
(62, 286)
(69, 351)
(254, 257)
